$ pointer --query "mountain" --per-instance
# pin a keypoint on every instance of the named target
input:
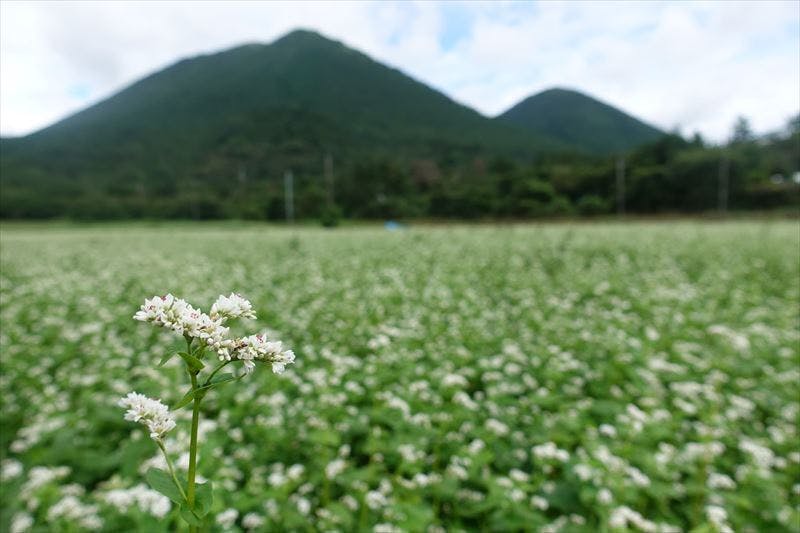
(213, 135)
(580, 121)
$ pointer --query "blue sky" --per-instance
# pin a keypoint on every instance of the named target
(695, 66)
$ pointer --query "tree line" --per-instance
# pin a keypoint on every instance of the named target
(671, 175)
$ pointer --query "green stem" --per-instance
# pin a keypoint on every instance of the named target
(171, 470)
(213, 372)
(193, 449)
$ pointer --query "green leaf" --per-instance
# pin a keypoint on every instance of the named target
(222, 378)
(165, 359)
(190, 517)
(203, 498)
(188, 397)
(193, 362)
(163, 483)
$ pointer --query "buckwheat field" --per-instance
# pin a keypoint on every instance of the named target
(608, 377)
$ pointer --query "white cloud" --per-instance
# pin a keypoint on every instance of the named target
(693, 65)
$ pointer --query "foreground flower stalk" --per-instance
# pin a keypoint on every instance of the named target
(204, 333)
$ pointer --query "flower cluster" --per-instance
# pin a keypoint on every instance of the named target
(151, 413)
(179, 316)
(258, 348)
(233, 306)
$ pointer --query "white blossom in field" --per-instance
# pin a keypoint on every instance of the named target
(719, 517)
(607, 430)
(539, 503)
(737, 340)
(622, 517)
(762, 456)
(151, 413)
(303, 506)
(375, 499)
(9, 469)
(549, 450)
(476, 446)
(233, 306)
(720, 481)
(518, 475)
(454, 380)
(227, 518)
(516, 495)
(147, 500)
(583, 471)
(253, 521)
(496, 427)
(295, 472)
(334, 468)
(73, 510)
(20, 523)
(349, 501)
(39, 476)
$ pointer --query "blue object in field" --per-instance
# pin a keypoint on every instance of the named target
(391, 225)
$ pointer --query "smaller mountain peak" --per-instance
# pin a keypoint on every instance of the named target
(301, 35)
(559, 91)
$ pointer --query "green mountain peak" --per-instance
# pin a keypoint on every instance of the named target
(579, 120)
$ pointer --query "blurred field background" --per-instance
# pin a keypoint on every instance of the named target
(524, 377)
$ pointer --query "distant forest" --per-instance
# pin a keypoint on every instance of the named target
(669, 175)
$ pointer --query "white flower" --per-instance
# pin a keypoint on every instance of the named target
(10, 468)
(295, 472)
(496, 427)
(39, 476)
(549, 450)
(253, 521)
(147, 500)
(334, 468)
(176, 314)
(151, 413)
(762, 456)
(718, 516)
(375, 499)
(720, 481)
(303, 506)
(540, 503)
(71, 508)
(258, 348)
(607, 430)
(227, 518)
(21, 522)
(454, 380)
(233, 306)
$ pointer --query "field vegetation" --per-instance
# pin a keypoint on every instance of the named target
(608, 377)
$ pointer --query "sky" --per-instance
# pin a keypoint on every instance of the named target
(690, 66)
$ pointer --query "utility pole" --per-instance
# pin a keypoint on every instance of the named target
(620, 186)
(328, 171)
(288, 191)
(723, 183)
